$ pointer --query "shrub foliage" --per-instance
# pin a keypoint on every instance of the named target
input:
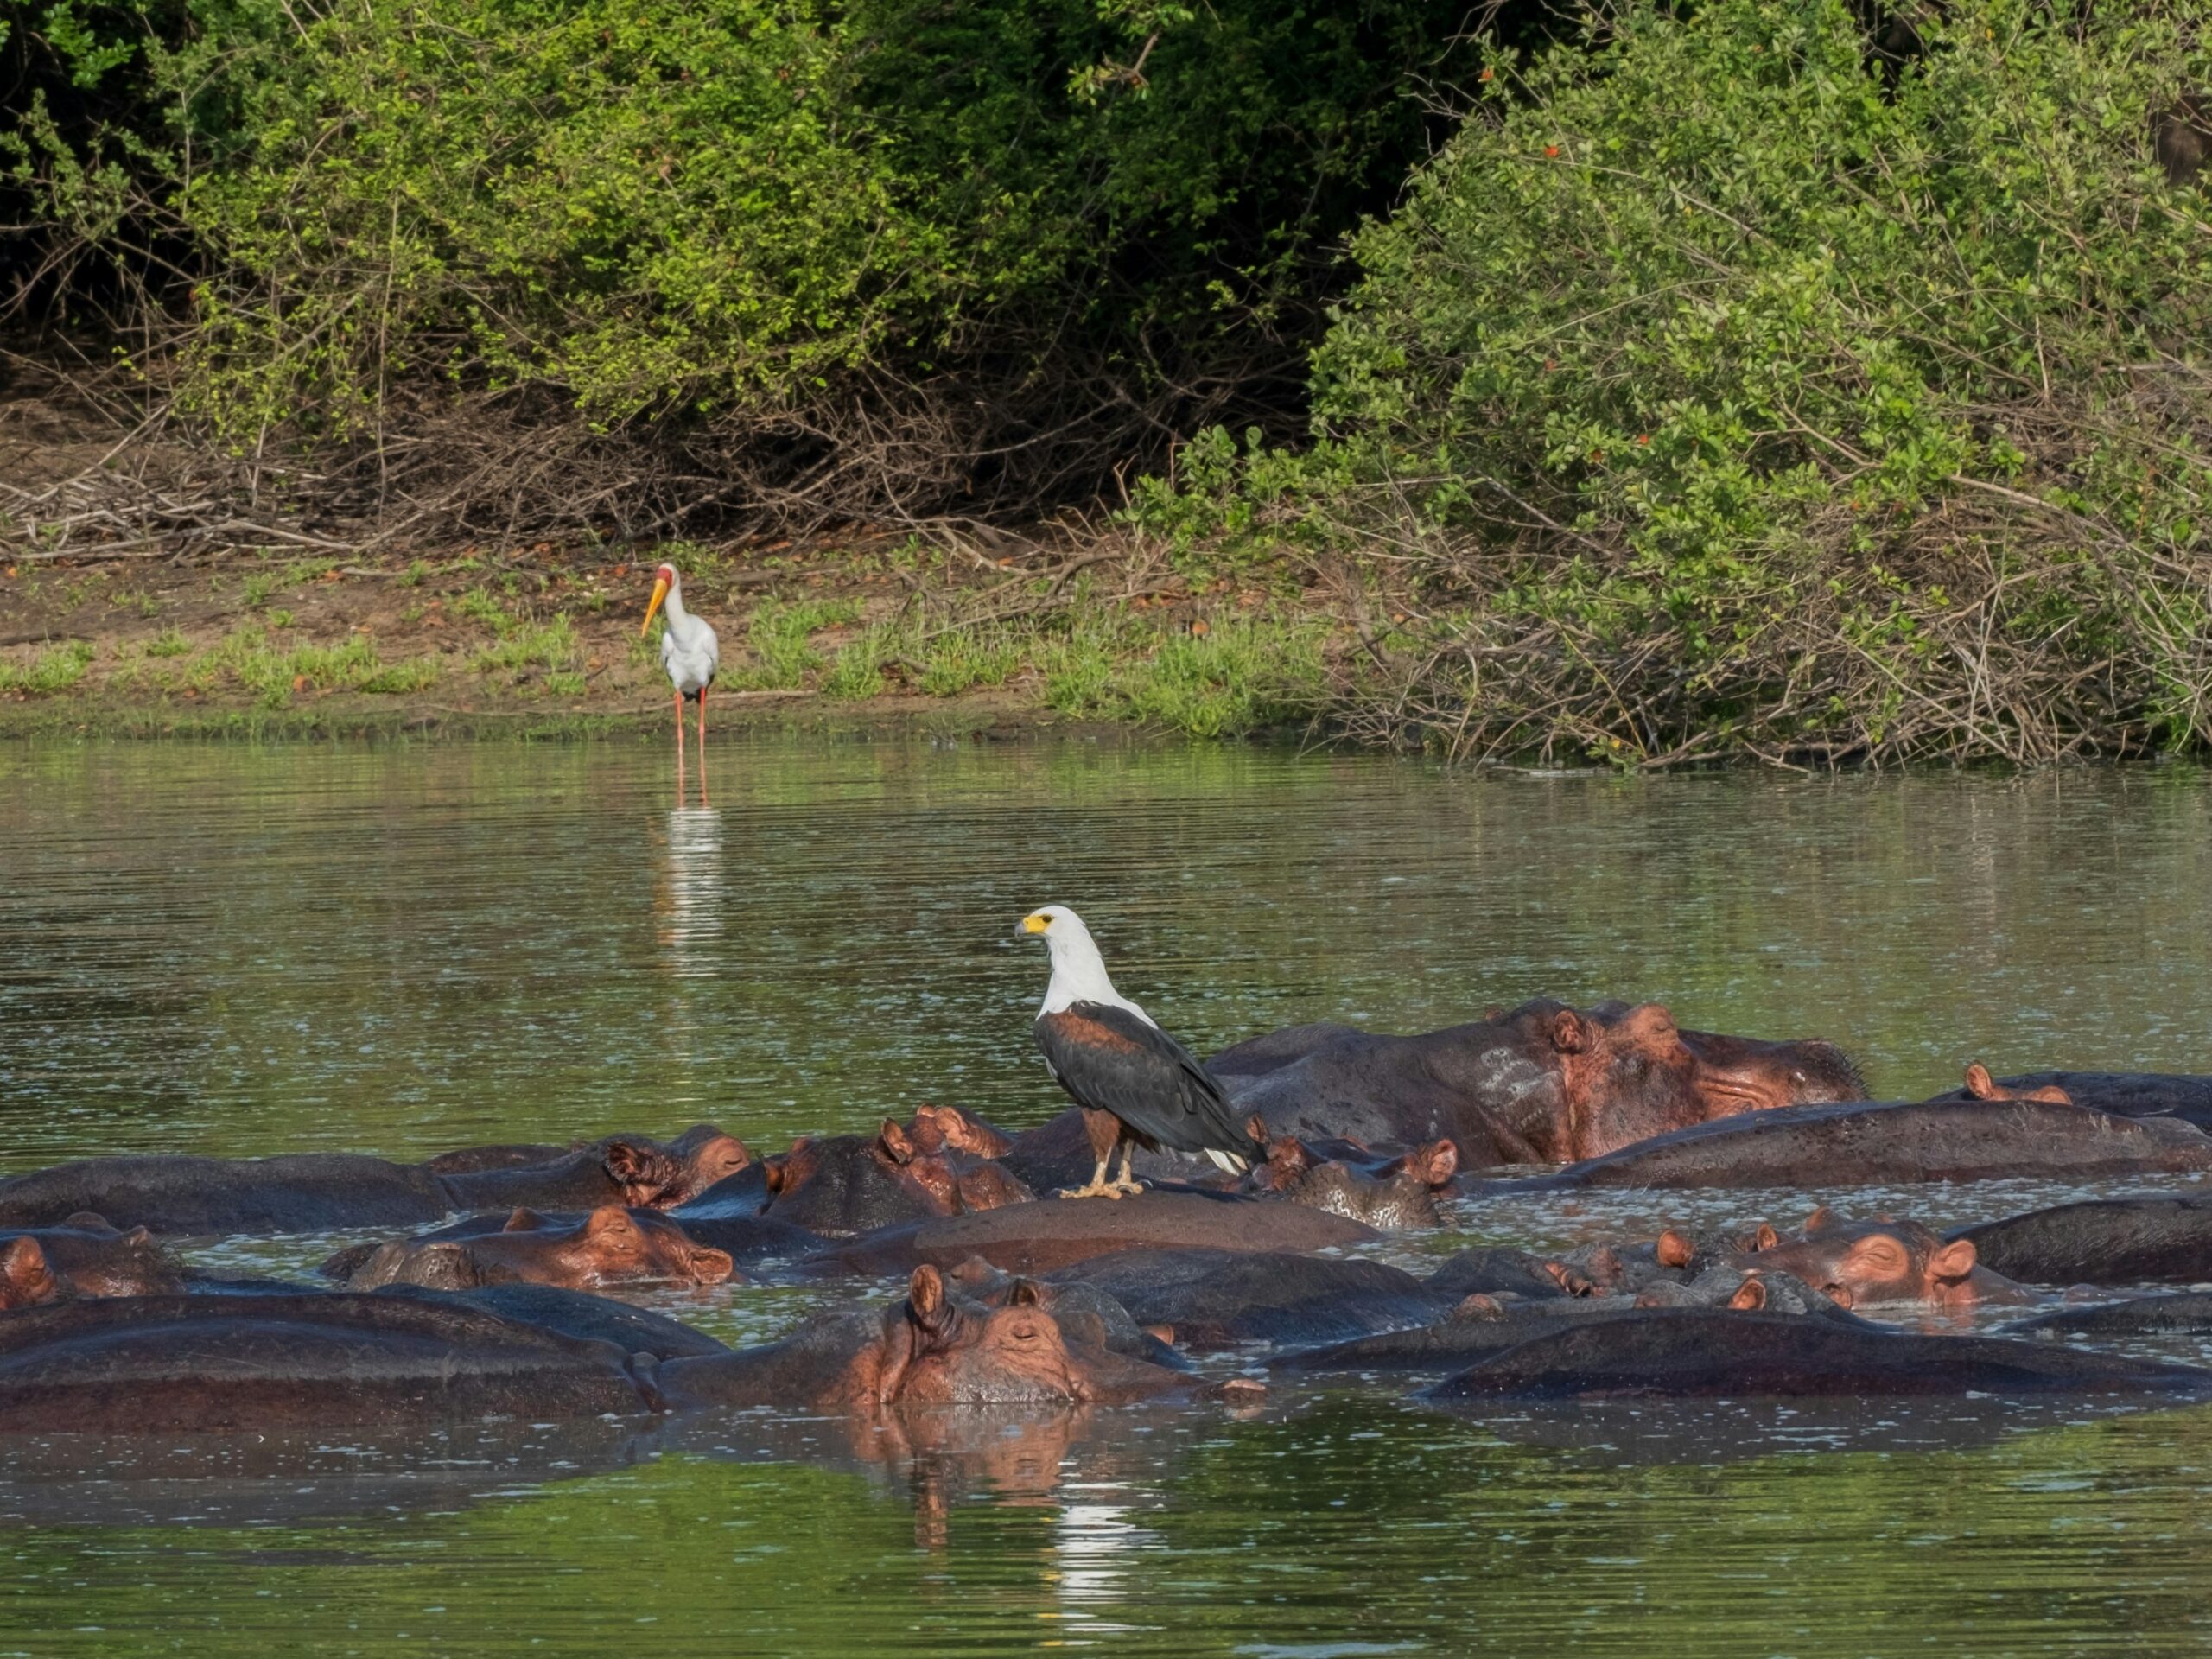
(1712, 394)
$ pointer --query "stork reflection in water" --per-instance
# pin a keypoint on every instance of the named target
(690, 651)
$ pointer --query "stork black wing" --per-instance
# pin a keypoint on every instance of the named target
(1111, 1061)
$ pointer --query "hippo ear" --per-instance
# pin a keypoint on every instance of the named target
(893, 1141)
(1955, 1261)
(1674, 1250)
(524, 1220)
(974, 1270)
(926, 1293)
(1492, 1015)
(1440, 1162)
(1570, 1032)
(1766, 1238)
(1255, 1129)
(1750, 1297)
(771, 1172)
(1023, 1293)
(1820, 1221)
(138, 1238)
(88, 1221)
(1980, 1084)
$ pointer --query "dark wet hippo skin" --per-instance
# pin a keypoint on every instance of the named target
(1544, 1083)
(1496, 1271)
(841, 1185)
(611, 1245)
(1396, 1194)
(1482, 1325)
(935, 1348)
(2178, 1313)
(189, 1197)
(86, 1257)
(747, 1240)
(1051, 1233)
(2126, 1094)
(181, 1197)
(2102, 1242)
(1722, 1352)
(1085, 1312)
(580, 1314)
(1217, 1298)
(1893, 1144)
(472, 1161)
(1867, 1263)
(632, 1170)
(163, 1364)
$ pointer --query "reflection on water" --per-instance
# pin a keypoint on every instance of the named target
(689, 901)
(249, 950)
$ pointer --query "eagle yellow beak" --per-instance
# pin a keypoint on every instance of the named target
(660, 592)
(1037, 923)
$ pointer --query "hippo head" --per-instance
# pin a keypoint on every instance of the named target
(1740, 1074)
(1854, 1263)
(661, 1177)
(937, 1350)
(615, 1244)
(949, 1127)
(1625, 1073)
(27, 1278)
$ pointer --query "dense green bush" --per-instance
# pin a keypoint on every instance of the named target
(987, 250)
(1708, 394)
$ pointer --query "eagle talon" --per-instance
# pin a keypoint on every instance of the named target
(1095, 1190)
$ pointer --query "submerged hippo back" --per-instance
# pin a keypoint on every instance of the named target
(161, 1364)
(187, 1197)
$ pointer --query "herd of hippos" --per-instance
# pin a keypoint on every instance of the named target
(486, 1282)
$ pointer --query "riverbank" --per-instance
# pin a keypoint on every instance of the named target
(544, 641)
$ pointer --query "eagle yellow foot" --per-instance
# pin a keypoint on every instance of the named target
(1125, 1188)
(1095, 1190)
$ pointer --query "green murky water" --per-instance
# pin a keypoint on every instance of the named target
(247, 950)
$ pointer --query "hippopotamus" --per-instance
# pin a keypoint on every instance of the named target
(84, 1257)
(1860, 1263)
(182, 1196)
(629, 1170)
(323, 1360)
(1893, 1143)
(1483, 1324)
(2124, 1094)
(331, 1359)
(610, 1246)
(2173, 1312)
(746, 1240)
(843, 1184)
(1707, 1352)
(2102, 1242)
(1543, 1084)
(934, 1348)
(578, 1313)
(1217, 1298)
(1059, 1232)
(1396, 1194)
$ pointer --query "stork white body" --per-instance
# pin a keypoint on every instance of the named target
(689, 652)
(689, 649)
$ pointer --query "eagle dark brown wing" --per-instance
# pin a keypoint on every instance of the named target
(1112, 1061)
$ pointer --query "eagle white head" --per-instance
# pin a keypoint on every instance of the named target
(1078, 971)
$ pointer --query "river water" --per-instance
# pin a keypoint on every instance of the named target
(240, 950)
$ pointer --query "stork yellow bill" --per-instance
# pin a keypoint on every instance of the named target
(690, 653)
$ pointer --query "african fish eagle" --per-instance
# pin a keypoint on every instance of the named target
(1137, 1086)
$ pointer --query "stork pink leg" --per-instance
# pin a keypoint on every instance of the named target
(679, 749)
(702, 745)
